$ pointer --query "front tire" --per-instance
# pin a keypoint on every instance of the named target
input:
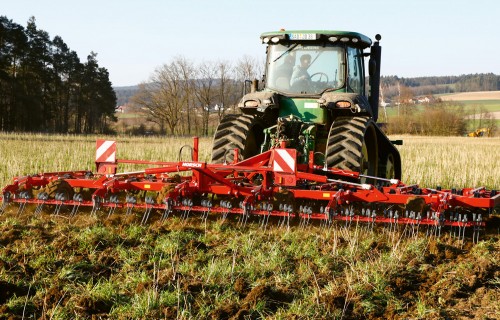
(352, 145)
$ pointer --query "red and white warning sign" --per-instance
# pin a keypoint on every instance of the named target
(284, 160)
(105, 151)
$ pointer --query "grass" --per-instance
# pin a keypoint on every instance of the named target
(428, 161)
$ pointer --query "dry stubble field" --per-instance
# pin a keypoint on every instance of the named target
(92, 267)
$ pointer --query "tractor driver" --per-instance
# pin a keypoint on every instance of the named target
(300, 74)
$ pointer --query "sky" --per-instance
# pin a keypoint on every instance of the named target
(133, 38)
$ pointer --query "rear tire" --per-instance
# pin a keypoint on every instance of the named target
(244, 132)
(352, 145)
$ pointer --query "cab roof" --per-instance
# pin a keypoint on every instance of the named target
(316, 35)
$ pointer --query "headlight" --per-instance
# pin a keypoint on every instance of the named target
(251, 104)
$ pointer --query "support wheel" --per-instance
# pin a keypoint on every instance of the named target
(244, 132)
(352, 145)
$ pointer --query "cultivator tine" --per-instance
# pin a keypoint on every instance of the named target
(373, 218)
(415, 217)
(42, 196)
(60, 197)
(150, 201)
(208, 205)
(456, 218)
(169, 203)
(78, 197)
(265, 219)
(439, 219)
(96, 206)
(349, 215)
(247, 210)
(462, 222)
(288, 209)
(113, 200)
(394, 223)
(227, 205)
(477, 220)
(3, 207)
(131, 201)
(5, 202)
(186, 202)
(307, 211)
(25, 195)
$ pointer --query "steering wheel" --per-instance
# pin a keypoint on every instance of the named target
(319, 75)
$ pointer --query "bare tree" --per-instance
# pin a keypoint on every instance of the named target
(248, 68)
(166, 96)
(207, 91)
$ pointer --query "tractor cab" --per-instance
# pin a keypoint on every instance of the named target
(311, 63)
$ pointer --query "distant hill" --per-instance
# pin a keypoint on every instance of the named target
(123, 94)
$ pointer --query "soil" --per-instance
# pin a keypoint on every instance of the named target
(452, 279)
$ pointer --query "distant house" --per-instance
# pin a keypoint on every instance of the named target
(424, 100)
(121, 109)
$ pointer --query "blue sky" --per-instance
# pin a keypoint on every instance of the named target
(132, 38)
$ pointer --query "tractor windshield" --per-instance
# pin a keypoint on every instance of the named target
(305, 69)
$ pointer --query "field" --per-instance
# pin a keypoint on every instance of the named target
(91, 267)
(482, 109)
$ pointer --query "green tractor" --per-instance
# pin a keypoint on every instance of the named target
(313, 98)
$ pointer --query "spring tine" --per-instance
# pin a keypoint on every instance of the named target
(207, 213)
(477, 227)
(5, 202)
(227, 205)
(149, 207)
(58, 197)
(146, 214)
(25, 195)
(130, 203)
(74, 211)
(39, 208)
(3, 207)
(113, 200)
(168, 209)
(265, 221)
(20, 210)
(77, 197)
(189, 203)
(96, 206)
(111, 211)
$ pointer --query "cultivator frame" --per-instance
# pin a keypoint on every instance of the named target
(271, 184)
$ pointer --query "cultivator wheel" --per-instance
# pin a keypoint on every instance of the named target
(352, 145)
(244, 132)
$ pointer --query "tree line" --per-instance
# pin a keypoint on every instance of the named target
(420, 86)
(44, 87)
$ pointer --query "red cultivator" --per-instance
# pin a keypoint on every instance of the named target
(271, 184)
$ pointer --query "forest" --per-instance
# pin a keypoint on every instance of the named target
(45, 87)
